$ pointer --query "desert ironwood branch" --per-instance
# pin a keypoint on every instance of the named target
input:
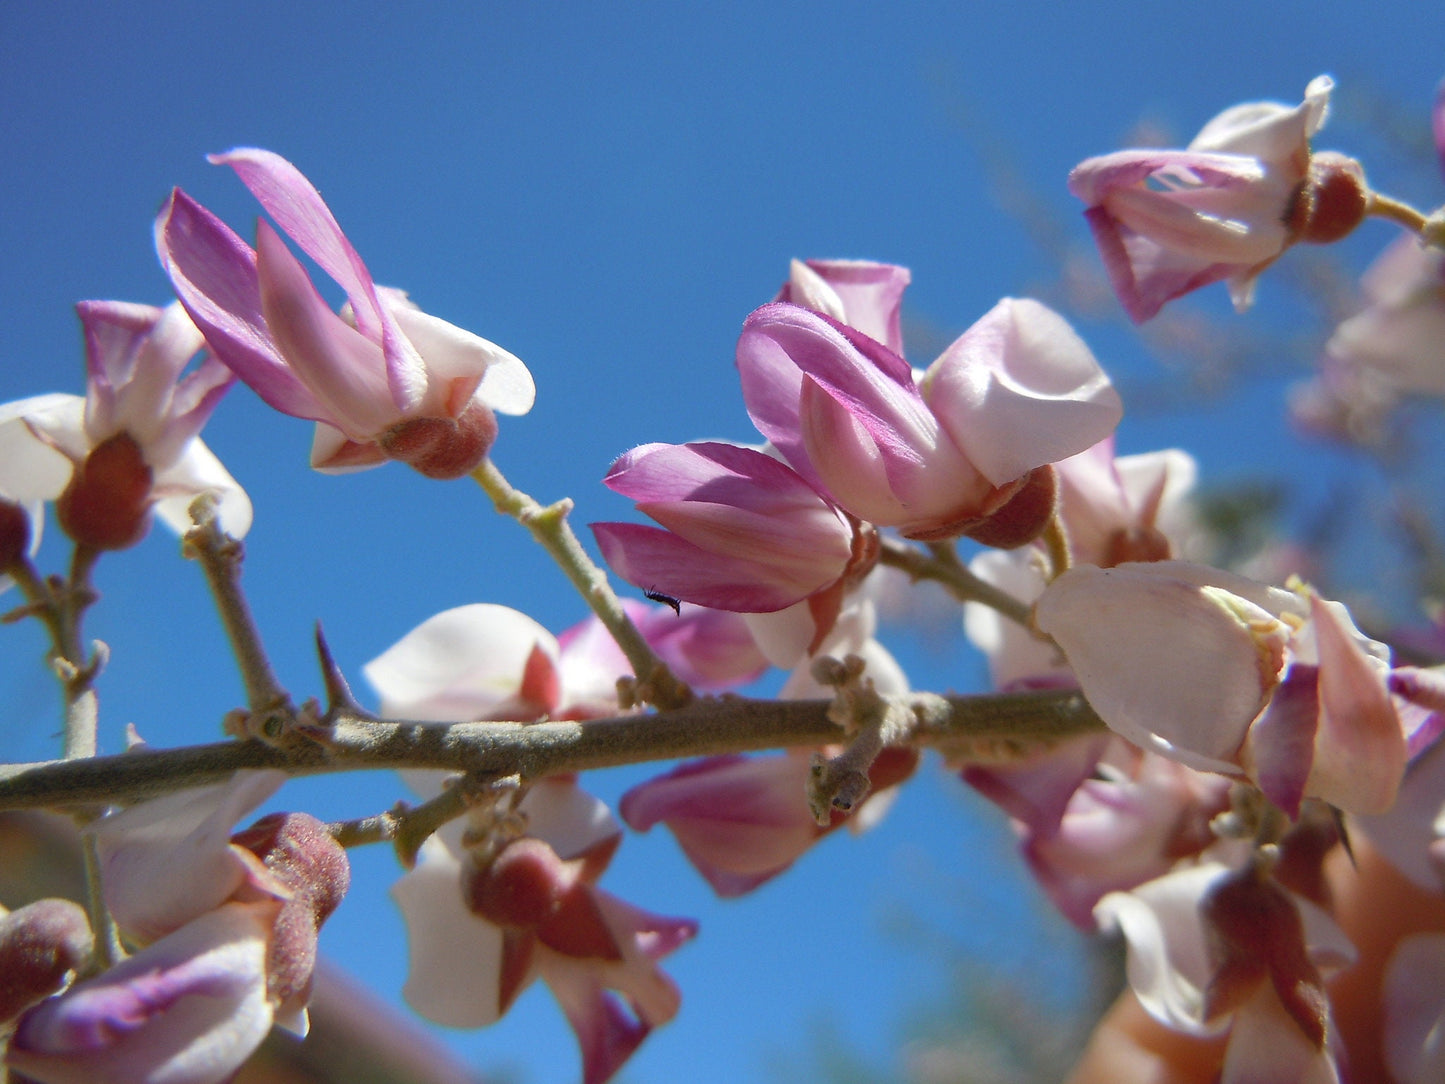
(962, 728)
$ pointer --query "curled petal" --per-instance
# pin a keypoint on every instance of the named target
(168, 860)
(470, 662)
(190, 1009)
(1020, 389)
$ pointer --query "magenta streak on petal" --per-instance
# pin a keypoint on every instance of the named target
(214, 275)
(1282, 740)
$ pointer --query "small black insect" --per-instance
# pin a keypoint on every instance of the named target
(658, 596)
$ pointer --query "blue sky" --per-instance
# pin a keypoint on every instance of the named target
(607, 191)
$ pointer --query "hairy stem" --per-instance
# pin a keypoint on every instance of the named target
(656, 684)
(992, 727)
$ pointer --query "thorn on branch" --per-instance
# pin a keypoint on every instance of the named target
(338, 692)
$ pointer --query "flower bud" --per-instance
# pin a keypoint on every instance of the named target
(1331, 201)
(443, 448)
(298, 849)
(107, 504)
(40, 945)
(1022, 516)
(14, 533)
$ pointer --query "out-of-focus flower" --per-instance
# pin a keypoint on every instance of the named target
(42, 946)
(1170, 221)
(864, 295)
(382, 380)
(480, 932)
(1400, 334)
(130, 445)
(189, 1009)
(1414, 1010)
(743, 532)
(961, 452)
(1227, 675)
(1214, 949)
(743, 820)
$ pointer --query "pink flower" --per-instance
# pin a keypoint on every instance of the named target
(1019, 390)
(168, 860)
(381, 380)
(1168, 222)
(1227, 675)
(743, 532)
(1400, 334)
(131, 444)
(480, 931)
(1214, 950)
(189, 1009)
(1414, 1016)
(743, 820)
(864, 295)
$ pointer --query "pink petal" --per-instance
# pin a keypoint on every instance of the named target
(1020, 389)
(464, 663)
(214, 275)
(1360, 753)
(740, 820)
(1173, 665)
(168, 860)
(189, 1009)
(864, 295)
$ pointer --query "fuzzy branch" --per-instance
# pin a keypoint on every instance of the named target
(972, 728)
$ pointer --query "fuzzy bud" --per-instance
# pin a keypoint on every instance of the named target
(1331, 201)
(14, 533)
(298, 849)
(41, 945)
(107, 504)
(443, 448)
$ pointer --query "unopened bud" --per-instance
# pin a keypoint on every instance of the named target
(298, 849)
(443, 448)
(1331, 201)
(107, 504)
(14, 533)
(1023, 516)
(41, 944)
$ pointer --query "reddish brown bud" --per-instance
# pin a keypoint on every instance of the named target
(1022, 517)
(521, 887)
(40, 945)
(14, 533)
(442, 448)
(107, 504)
(304, 856)
(298, 849)
(1331, 201)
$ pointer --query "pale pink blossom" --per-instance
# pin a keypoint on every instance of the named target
(741, 531)
(130, 445)
(866, 296)
(1016, 392)
(479, 935)
(1214, 950)
(1400, 333)
(168, 860)
(188, 1009)
(1170, 221)
(381, 380)
(1227, 675)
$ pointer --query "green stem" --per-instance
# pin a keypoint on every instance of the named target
(656, 684)
(1382, 206)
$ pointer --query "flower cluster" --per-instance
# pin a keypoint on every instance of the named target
(225, 928)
